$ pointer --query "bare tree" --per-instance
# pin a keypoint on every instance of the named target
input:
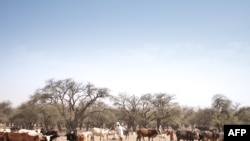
(70, 98)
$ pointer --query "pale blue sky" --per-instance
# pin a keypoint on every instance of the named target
(192, 49)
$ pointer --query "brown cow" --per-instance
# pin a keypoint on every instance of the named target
(20, 137)
(144, 132)
(2, 135)
(81, 137)
(210, 135)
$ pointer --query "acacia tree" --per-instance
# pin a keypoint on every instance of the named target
(163, 106)
(128, 108)
(5, 111)
(243, 115)
(50, 117)
(223, 110)
(25, 116)
(70, 98)
(204, 118)
(146, 110)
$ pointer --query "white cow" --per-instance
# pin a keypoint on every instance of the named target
(99, 132)
(5, 130)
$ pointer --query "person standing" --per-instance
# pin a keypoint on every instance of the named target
(119, 130)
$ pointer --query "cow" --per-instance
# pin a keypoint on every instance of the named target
(2, 136)
(34, 133)
(49, 135)
(20, 137)
(99, 132)
(145, 132)
(74, 136)
(53, 134)
(88, 134)
(187, 135)
(71, 136)
(81, 137)
(210, 135)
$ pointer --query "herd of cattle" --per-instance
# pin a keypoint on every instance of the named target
(168, 134)
(180, 134)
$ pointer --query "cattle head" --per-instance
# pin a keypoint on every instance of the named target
(50, 135)
(71, 136)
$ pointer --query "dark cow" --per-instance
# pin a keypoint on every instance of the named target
(144, 132)
(52, 134)
(209, 135)
(71, 136)
(74, 136)
(20, 137)
(187, 135)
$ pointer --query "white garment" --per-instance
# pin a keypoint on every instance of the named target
(119, 130)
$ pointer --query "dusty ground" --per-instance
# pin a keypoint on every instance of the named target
(130, 138)
(110, 138)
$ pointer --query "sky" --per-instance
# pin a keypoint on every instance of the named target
(191, 49)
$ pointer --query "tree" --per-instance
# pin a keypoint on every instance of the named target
(204, 118)
(49, 117)
(25, 116)
(71, 99)
(188, 115)
(243, 114)
(128, 109)
(146, 112)
(5, 111)
(224, 111)
(163, 106)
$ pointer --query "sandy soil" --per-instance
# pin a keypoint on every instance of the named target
(110, 138)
